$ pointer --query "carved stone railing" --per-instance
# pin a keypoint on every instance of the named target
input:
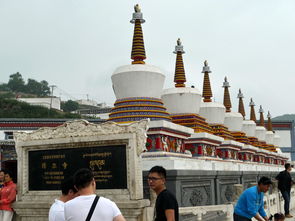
(200, 211)
(273, 203)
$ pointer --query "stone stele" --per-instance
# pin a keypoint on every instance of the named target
(34, 205)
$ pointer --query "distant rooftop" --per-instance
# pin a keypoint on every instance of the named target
(35, 123)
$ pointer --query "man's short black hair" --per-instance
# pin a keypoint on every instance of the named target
(83, 178)
(160, 170)
(287, 166)
(67, 185)
(264, 181)
(279, 216)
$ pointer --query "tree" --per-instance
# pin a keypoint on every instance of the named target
(33, 87)
(69, 106)
(45, 90)
(4, 87)
(16, 82)
(41, 89)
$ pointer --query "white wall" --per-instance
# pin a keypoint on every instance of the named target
(285, 138)
(103, 116)
(87, 102)
(45, 102)
(2, 135)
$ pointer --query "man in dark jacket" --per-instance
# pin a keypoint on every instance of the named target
(284, 185)
(166, 208)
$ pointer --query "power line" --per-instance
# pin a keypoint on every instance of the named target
(66, 93)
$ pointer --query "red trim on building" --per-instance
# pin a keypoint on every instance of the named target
(20, 125)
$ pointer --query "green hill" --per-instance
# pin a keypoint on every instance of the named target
(10, 108)
(285, 117)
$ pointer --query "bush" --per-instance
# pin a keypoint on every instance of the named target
(10, 108)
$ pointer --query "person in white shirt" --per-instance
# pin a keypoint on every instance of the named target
(56, 212)
(78, 208)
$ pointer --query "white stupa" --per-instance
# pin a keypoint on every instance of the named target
(232, 120)
(269, 136)
(181, 99)
(249, 126)
(260, 129)
(183, 103)
(138, 86)
(213, 112)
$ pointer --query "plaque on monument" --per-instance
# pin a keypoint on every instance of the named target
(48, 168)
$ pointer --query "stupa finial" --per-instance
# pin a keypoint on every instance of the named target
(207, 93)
(269, 123)
(226, 96)
(179, 77)
(137, 8)
(138, 51)
(178, 42)
(252, 111)
(241, 104)
(261, 120)
(240, 94)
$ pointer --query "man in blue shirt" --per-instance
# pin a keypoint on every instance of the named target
(251, 204)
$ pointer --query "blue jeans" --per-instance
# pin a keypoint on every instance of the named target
(286, 196)
(240, 218)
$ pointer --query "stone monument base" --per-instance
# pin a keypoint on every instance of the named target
(133, 210)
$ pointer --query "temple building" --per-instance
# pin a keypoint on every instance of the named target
(215, 131)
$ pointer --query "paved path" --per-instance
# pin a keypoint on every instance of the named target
(293, 218)
(292, 212)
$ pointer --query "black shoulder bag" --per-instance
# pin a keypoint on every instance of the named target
(92, 208)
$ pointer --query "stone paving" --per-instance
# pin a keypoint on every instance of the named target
(293, 218)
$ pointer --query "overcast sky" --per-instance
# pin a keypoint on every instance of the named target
(77, 44)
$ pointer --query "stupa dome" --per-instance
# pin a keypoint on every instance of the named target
(269, 136)
(182, 100)
(260, 132)
(138, 80)
(276, 140)
(249, 127)
(213, 112)
(233, 121)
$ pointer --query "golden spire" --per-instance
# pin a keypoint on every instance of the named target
(179, 77)
(138, 51)
(261, 120)
(241, 104)
(269, 123)
(252, 112)
(207, 93)
(226, 96)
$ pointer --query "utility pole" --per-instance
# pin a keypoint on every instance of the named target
(52, 88)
